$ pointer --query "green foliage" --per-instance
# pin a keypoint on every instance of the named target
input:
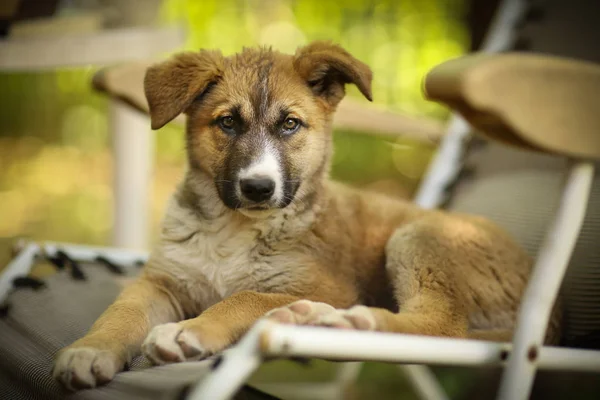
(400, 40)
(55, 159)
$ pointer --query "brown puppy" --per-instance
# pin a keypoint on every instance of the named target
(256, 227)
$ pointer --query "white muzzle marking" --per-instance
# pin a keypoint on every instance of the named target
(266, 166)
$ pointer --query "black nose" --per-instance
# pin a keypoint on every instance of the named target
(257, 189)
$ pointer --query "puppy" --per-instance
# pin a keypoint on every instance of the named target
(256, 227)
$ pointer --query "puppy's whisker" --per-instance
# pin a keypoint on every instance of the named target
(296, 199)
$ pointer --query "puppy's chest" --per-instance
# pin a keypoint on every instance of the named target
(216, 264)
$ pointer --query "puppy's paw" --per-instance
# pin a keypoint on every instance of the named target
(85, 367)
(358, 317)
(301, 312)
(169, 343)
(306, 312)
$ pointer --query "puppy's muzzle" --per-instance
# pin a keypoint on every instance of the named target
(257, 190)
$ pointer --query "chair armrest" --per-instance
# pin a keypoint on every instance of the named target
(537, 102)
(124, 82)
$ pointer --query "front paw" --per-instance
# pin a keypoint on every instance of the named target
(169, 343)
(85, 367)
(357, 317)
(301, 312)
(306, 312)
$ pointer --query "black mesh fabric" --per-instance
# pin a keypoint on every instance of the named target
(520, 191)
(40, 322)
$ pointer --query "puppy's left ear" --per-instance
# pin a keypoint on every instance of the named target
(172, 86)
(327, 67)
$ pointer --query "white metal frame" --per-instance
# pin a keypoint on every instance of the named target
(22, 263)
(447, 163)
(133, 159)
(267, 339)
(545, 282)
(335, 389)
(19, 266)
(424, 382)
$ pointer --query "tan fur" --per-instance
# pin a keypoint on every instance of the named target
(218, 269)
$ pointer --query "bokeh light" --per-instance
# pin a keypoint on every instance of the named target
(55, 154)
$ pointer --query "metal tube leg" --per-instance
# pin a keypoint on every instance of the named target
(447, 163)
(424, 382)
(133, 148)
(346, 375)
(19, 266)
(545, 282)
(237, 364)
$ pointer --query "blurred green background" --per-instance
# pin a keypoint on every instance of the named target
(55, 150)
(55, 158)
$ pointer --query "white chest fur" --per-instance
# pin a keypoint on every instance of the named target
(215, 258)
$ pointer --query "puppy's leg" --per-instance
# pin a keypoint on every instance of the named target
(214, 330)
(116, 336)
(423, 259)
(428, 262)
(446, 266)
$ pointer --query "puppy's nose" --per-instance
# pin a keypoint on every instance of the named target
(257, 189)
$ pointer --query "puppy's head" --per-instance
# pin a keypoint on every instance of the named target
(259, 121)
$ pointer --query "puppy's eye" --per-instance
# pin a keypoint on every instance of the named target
(290, 125)
(227, 124)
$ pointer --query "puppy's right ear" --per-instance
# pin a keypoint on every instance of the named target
(172, 86)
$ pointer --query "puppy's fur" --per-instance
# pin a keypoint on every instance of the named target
(315, 252)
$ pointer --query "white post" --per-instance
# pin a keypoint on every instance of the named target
(237, 364)
(133, 152)
(545, 282)
(447, 163)
(133, 141)
(424, 382)
(19, 266)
